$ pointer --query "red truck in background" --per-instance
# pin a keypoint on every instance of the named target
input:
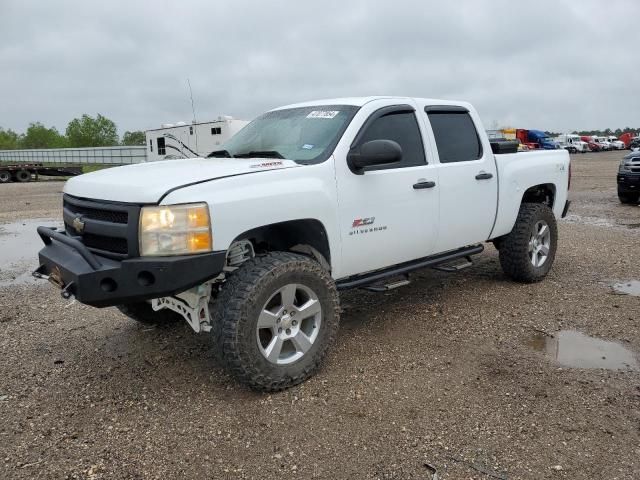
(593, 146)
(627, 138)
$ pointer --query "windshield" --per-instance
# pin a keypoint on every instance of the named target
(304, 134)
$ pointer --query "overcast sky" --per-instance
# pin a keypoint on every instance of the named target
(555, 65)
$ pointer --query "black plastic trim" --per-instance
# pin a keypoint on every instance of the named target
(372, 277)
(566, 208)
(445, 109)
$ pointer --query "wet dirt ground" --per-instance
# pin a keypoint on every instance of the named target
(450, 373)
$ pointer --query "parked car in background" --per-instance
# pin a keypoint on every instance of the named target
(572, 143)
(604, 144)
(634, 144)
(629, 178)
(593, 145)
(615, 143)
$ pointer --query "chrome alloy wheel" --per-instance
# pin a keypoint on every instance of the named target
(289, 324)
(539, 243)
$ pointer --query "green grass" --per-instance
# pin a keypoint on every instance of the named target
(94, 168)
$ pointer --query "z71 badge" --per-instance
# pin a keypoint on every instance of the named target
(364, 222)
(359, 222)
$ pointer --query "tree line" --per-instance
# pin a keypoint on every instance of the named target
(85, 131)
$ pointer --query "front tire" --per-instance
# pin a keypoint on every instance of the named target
(274, 320)
(628, 198)
(527, 253)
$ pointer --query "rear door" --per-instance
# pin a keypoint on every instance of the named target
(468, 178)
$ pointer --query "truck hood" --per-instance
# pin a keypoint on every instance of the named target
(149, 182)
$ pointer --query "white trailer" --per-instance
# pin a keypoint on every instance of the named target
(572, 142)
(189, 140)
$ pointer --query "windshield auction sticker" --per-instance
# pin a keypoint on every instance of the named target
(323, 114)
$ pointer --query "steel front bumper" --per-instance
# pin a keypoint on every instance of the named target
(103, 282)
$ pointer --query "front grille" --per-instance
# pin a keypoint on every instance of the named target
(102, 215)
(106, 244)
(107, 228)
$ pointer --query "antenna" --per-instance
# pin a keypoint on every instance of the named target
(193, 109)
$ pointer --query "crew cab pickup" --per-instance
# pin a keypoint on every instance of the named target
(253, 243)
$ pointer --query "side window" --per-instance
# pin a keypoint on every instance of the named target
(161, 146)
(456, 136)
(401, 127)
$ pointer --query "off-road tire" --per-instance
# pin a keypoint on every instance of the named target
(23, 176)
(628, 198)
(235, 314)
(514, 247)
(143, 313)
(5, 177)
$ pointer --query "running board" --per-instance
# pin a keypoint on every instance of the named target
(406, 267)
(384, 287)
(455, 267)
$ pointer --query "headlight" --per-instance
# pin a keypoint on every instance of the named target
(175, 230)
(624, 167)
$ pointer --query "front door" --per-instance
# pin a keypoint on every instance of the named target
(388, 214)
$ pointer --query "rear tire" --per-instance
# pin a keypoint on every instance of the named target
(274, 320)
(628, 198)
(527, 253)
(143, 313)
(5, 177)
(23, 176)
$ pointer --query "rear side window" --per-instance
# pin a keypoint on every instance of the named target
(401, 127)
(456, 136)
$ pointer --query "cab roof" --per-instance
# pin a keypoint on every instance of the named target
(360, 101)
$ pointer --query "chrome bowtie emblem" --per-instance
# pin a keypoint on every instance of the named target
(78, 224)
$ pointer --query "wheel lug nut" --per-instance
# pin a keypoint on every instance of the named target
(292, 313)
(294, 323)
(280, 330)
(288, 331)
(285, 312)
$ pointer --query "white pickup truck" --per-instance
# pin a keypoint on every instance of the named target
(253, 243)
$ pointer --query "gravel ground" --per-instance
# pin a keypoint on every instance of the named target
(441, 372)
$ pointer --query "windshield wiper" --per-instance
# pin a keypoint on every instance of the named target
(260, 153)
(219, 153)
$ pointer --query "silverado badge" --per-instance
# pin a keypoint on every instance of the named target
(78, 224)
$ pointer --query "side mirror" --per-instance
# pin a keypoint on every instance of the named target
(374, 152)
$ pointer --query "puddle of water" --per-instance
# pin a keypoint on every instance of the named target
(631, 287)
(573, 349)
(19, 246)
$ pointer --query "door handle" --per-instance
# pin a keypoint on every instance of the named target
(484, 176)
(421, 185)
